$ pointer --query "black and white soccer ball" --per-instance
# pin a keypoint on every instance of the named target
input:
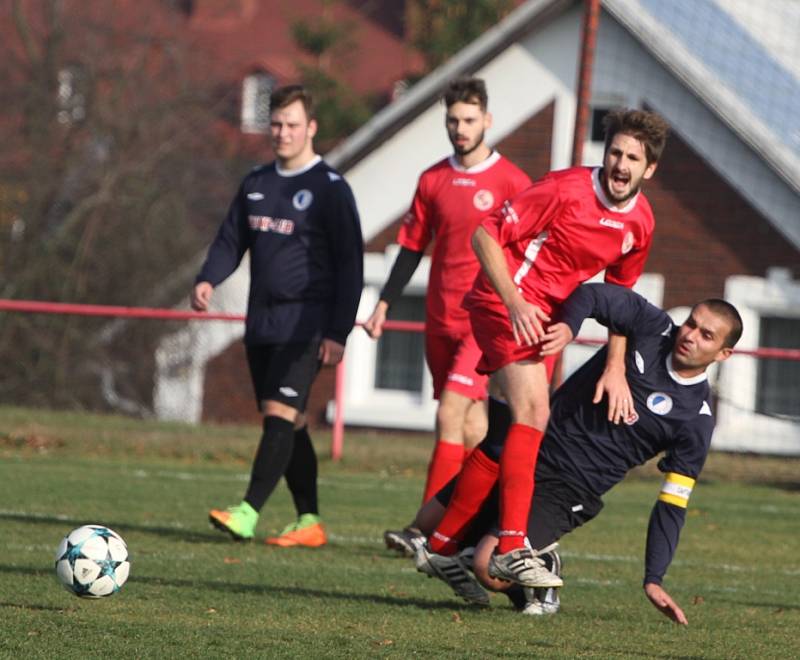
(92, 561)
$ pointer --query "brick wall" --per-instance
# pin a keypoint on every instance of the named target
(706, 231)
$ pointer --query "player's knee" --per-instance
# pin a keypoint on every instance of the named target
(535, 415)
(475, 429)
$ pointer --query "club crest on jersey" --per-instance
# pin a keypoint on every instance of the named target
(483, 200)
(302, 199)
(659, 403)
(627, 243)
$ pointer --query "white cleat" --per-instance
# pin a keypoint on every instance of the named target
(405, 541)
(525, 567)
(453, 571)
(541, 601)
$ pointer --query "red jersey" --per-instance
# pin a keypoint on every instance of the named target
(449, 204)
(562, 231)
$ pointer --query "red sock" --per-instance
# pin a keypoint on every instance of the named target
(445, 464)
(517, 463)
(474, 484)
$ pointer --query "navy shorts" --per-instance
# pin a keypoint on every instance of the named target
(284, 372)
(558, 508)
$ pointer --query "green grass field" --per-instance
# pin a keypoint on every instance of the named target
(193, 593)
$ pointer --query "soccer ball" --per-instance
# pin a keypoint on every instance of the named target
(92, 561)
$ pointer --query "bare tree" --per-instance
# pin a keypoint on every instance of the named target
(114, 168)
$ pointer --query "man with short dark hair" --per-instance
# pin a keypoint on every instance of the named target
(583, 454)
(298, 219)
(451, 199)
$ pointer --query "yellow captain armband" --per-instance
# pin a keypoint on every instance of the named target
(676, 489)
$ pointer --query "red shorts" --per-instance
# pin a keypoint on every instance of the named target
(494, 336)
(452, 362)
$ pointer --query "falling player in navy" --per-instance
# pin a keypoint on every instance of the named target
(298, 219)
(583, 454)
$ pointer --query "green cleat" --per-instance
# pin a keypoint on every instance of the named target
(238, 521)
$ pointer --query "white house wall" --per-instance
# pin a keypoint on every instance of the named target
(624, 69)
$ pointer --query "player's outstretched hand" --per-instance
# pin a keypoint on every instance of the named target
(373, 326)
(526, 321)
(330, 352)
(556, 339)
(664, 604)
(613, 384)
(201, 296)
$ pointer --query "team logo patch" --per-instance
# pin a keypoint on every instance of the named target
(288, 391)
(255, 196)
(302, 199)
(659, 403)
(483, 200)
(627, 243)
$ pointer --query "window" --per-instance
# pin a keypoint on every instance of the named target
(71, 95)
(256, 91)
(778, 379)
(400, 360)
(597, 132)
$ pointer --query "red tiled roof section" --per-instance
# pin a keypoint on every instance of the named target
(245, 35)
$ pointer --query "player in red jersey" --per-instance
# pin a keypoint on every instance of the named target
(533, 252)
(452, 198)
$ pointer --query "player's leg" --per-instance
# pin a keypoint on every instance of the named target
(525, 386)
(452, 390)
(472, 486)
(282, 376)
(301, 478)
(448, 452)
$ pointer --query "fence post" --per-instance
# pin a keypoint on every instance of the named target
(337, 436)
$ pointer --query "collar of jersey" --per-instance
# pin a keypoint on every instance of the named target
(299, 170)
(605, 201)
(699, 378)
(475, 169)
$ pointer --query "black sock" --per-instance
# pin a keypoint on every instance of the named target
(499, 423)
(271, 460)
(301, 474)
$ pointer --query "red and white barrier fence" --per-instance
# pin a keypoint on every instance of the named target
(337, 438)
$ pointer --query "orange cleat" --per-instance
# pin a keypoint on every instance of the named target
(307, 536)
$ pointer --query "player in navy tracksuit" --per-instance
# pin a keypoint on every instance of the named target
(298, 220)
(583, 455)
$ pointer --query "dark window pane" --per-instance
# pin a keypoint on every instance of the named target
(778, 380)
(401, 355)
(598, 132)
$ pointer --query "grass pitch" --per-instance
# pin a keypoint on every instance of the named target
(193, 593)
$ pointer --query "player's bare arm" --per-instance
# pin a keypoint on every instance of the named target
(374, 324)
(663, 603)
(201, 296)
(526, 319)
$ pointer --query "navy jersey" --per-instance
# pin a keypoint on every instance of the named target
(306, 253)
(673, 415)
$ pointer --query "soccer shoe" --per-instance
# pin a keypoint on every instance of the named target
(540, 601)
(239, 521)
(524, 567)
(405, 541)
(307, 531)
(453, 571)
